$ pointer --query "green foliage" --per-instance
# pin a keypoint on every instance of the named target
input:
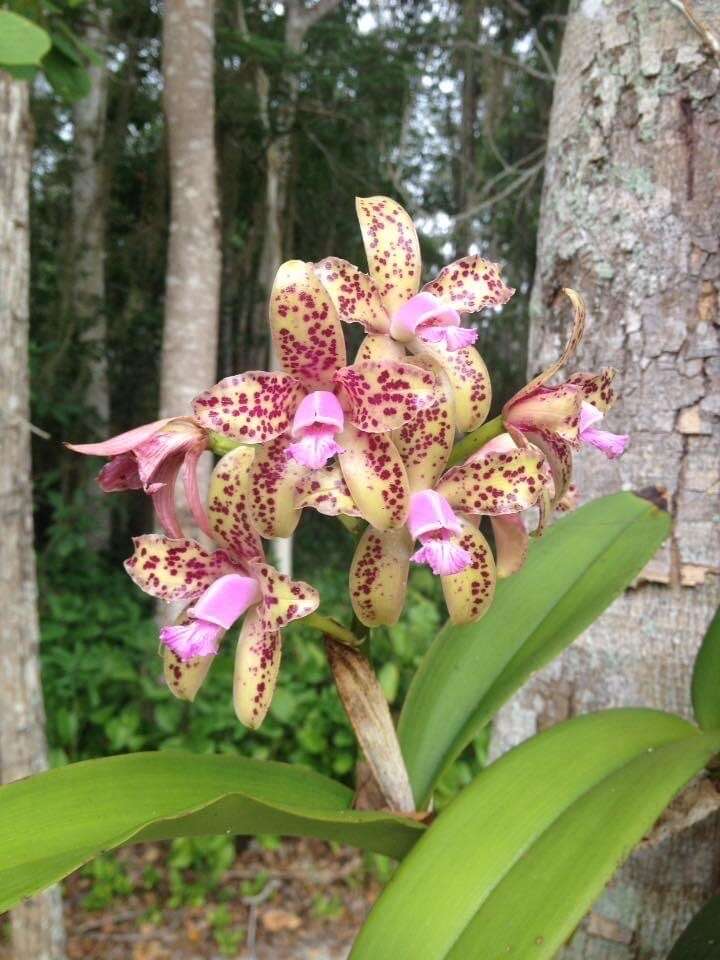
(579, 566)
(706, 673)
(22, 42)
(516, 860)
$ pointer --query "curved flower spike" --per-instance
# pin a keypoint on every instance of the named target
(149, 458)
(222, 585)
(560, 419)
(426, 321)
(318, 409)
(499, 483)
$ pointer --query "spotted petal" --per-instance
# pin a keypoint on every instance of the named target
(495, 483)
(469, 594)
(559, 457)
(376, 477)
(252, 407)
(469, 379)
(283, 600)
(470, 284)
(185, 677)
(326, 491)
(257, 662)
(354, 294)
(426, 441)
(229, 507)
(385, 396)
(273, 478)
(377, 346)
(174, 569)
(576, 335)
(549, 409)
(305, 328)
(392, 248)
(378, 576)
(597, 388)
(511, 543)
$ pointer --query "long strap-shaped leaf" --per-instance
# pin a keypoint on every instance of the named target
(53, 823)
(578, 568)
(516, 860)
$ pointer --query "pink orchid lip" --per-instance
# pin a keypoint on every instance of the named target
(198, 638)
(226, 599)
(423, 308)
(431, 513)
(321, 407)
(443, 554)
(613, 445)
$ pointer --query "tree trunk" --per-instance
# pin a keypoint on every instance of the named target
(192, 295)
(37, 929)
(87, 265)
(466, 179)
(630, 217)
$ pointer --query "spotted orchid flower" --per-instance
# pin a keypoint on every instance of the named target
(221, 586)
(560, 419)
(150, 458)
(443, 520)
(389, 302)
(316, 409)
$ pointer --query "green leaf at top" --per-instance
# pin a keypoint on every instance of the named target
(21, 41)
(572, 574)
(706, 679)
(52, 823)
(701, 938)
(513, 864)
(69, 80)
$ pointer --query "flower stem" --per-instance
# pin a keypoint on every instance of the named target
(333, 629)
(221, 445)
(472, 441)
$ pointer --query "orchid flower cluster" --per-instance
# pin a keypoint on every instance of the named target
(370, 440)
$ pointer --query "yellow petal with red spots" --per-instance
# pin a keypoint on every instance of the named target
(174, 569)
(185, 677)
(496, 483)
(469, 379)
(382, 396)
(378, 576)
(354, 294)
(273, 478)
(377, 346)
(376, 477)
(470, 284)
(468, 594)
(511, 544)
(282, 599)
(252, 407)
(426, 441)
(326, 491)
(596, 388)
(392, 248)
(559, 457)
(307, 334)
(229, 504)
(257, 662)
(552, 409)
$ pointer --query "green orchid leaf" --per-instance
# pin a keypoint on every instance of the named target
(52, 823)
(572, 574)
(513, 864)
(22, 42)
(706, 678)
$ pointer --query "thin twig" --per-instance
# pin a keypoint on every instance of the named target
(503, 58)
(503, 194)
(702, 28)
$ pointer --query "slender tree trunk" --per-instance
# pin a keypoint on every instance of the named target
(37, 929)
(631, 217)
(192, 296)
(298, 20)
(87, 265)
(466, 179)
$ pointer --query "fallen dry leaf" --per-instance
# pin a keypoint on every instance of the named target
(276, 920)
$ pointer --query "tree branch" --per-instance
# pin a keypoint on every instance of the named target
(702, 28)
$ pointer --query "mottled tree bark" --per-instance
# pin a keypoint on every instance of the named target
(631, 217)
(87, 264)
(37, 930)
(192, 295)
